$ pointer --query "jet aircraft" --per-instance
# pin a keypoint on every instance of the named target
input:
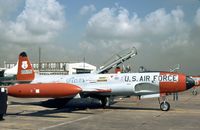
(197, 84)
(7, 75)
(99, 86)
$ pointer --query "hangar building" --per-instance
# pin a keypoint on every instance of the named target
(58, 68)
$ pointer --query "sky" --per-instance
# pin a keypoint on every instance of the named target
(165, 32)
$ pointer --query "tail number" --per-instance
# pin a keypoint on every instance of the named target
(26, 71)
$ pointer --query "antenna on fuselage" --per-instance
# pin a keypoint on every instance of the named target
(175, 69)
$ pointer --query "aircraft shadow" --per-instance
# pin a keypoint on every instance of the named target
(71, 106)
(74, 104)
(133, 108)
(47, 113)
(42, 113)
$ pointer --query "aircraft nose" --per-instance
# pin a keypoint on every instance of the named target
(189, 82)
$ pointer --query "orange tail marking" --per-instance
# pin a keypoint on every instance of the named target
(25, 71)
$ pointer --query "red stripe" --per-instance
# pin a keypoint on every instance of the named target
(171, 87)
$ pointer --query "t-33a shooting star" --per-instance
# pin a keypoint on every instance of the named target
(99, 86)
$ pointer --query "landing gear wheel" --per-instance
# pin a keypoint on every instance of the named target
(1, 117)
(164, 106)
(104, 102)
(194, 92)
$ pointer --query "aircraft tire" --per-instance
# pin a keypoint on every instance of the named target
(164, 106)
(103, 102)
(194, 92)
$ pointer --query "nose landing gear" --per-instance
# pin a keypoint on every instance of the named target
(164, 105)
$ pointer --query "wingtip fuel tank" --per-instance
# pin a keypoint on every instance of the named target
(45, 90)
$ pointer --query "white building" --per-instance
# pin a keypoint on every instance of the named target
(57, 68)
(78, 68)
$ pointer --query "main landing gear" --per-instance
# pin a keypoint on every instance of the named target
(164, 105)
(106, 101)
(194, 92)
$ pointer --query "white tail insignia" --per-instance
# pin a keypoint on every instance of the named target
(24, 65)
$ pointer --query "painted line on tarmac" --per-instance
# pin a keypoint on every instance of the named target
(65, 123)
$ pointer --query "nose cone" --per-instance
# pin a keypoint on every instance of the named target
(189, 82)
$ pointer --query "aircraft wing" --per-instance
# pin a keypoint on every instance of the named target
(96, 90)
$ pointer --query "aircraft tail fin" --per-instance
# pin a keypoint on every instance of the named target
(25, 70)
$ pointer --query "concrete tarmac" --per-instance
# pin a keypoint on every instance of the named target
(126, 114)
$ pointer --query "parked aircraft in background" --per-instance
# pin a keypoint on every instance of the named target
(100, 86)
(197, 84)
(8, 74)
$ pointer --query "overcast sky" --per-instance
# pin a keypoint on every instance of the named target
(165, 32)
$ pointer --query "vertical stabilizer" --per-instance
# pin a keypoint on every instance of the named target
(25, 70)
